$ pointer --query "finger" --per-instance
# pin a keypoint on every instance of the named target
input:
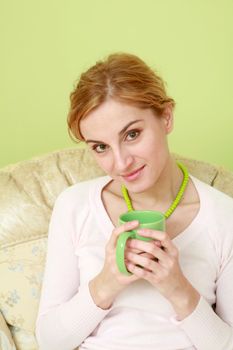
(148, 255)
(140, 272)
(128, 226)
(153, 250)
(154, 234)
(135, 270)
(144, 246)
(136, 251)
(150, 276)
(142, 261)
(132, 243)
(130, 247)
(162, 236)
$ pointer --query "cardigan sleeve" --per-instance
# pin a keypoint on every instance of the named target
(211, 328)
(206, 330)
(67, 313)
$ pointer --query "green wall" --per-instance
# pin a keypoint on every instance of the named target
(46, 44)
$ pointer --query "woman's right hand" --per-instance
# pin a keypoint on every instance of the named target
(110, 281)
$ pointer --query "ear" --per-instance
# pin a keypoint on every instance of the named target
(168, 118)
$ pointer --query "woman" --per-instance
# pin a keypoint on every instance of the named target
(179, 295)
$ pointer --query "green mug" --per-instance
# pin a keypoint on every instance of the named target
(147, 219)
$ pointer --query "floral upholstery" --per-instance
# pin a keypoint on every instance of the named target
(27, 194)
(6, 341)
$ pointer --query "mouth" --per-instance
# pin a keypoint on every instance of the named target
(133, 175)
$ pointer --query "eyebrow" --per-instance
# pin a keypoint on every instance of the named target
(120, 132)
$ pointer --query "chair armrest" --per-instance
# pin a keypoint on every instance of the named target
(6, 341)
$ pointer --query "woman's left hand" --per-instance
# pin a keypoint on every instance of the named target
(160, 267)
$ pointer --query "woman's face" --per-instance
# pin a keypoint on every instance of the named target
(128, 143)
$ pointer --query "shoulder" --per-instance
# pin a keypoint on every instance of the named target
(216, 200)
(79, 193)
(74, 204)
(216, 216)
(217, 219)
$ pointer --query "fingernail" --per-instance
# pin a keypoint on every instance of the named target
(158, 243)
(141, 231)
(134, 222)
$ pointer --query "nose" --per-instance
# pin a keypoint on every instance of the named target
(122, 160)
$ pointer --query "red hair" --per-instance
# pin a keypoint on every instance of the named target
(123, 77)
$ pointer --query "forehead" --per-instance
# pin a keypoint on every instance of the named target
(111, 116)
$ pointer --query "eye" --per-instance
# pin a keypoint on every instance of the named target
(132, 134)
(99, 148)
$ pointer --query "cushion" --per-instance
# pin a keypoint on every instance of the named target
(6, 341)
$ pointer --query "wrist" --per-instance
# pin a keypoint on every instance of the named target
(185, 301)
(99, 295)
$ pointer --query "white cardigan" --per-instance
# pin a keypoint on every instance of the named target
(140, 318)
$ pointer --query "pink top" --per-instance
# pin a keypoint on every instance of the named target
(140, 318)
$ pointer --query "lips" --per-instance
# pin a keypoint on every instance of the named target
(134, 174)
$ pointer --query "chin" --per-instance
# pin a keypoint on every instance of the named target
(138, 187)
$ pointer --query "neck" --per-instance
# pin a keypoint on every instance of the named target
(163, 192)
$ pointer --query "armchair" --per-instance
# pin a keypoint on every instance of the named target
(28, 191)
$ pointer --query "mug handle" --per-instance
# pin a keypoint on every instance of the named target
(120, 251)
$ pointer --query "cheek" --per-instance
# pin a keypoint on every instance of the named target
(154, 145)
(157, 151)
(160, 140)
(104, 163)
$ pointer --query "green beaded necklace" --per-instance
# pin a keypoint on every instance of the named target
(176, 200)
